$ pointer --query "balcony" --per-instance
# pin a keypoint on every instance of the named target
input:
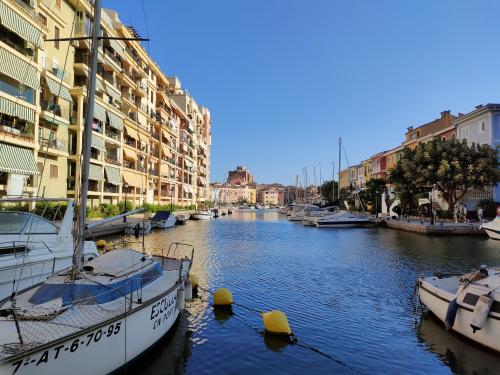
(53, 66)
(112, 133)
(17, 90)
(53, 143)
(94, 154)
(155, 135)
(128, 164)
(112, 160)
(57, 109)
(155, 154)
(141, 168)
(17, 43)
(70, 183)
(28, 9)
(110, 188)
(130, 141)
(93, 185)
(154, 172)
(7, 126)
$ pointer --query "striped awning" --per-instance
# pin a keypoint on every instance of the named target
(165, 134)
(18, 160)
(130, 178)
(129, 154)
(53, 120)
(115, 121)
(164, 172)
(131, 133)
(189, 163)
(166, 151)
(58, 89)
(112, 93)
(116, 46)
(95, 173)
(203, 181)
(17, 110)
(143, 138)
(188, 189)
(113, 175)
(99, 86)
(99, 113)
(97, 142)
(18, 69)
(14, 22)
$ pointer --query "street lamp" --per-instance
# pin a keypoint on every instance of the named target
(172, 189)
(125, 186)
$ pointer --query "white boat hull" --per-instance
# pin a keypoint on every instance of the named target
(201, 216)
(104, 348)
(164, 224)
(492, 228)
(437, 302)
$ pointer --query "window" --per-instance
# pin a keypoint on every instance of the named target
(54, 171)
(483, 127)
(56, 36)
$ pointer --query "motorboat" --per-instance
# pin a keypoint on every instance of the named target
(492, 228)
(32, 248)
(216, 212)
(181, 218)
(121, 304)
(139, 228)
(311, 216)
(343, 219)
(163, 220)
(299, 211)
(201, 215)
(468, 304)
(229, 211)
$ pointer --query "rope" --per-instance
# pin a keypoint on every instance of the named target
(293, 340)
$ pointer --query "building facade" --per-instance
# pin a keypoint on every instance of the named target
(240, 176)
(150, 139)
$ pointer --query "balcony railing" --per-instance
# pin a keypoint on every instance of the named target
(130, 141)
(154, 172)
(17, 43)
(110, 188)
(128, 164)
(111, 133)
(93, 185)
(57, 109)
(112, 160)
(26, 6)
(141, 168)
(56, 144)
(20, 131)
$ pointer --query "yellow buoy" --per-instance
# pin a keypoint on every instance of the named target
(101, 244)
(223, 297)
(276, 322)
(194, 280)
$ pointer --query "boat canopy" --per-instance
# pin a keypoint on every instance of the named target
(15, 222)
(161, 215)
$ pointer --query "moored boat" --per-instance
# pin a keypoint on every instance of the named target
(492, 228)
(343, 219)
(163, 220)
(299, 211)
(201, 215)
(467, 304)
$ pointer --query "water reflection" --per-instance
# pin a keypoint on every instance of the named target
(346, 292)
(461, 355)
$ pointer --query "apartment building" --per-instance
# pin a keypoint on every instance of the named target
(150, 140)
(233, 194)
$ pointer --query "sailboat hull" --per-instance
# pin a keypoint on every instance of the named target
(105, 347)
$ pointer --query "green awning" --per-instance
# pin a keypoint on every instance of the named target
(18, 69)
(115, 121)
(14, 22)
(18, 160)
(97, 142)
(113, 175)
(52, 119)
(58, 89)
(113, 94)
(99, 113)
(99, 85)
(95, 173)
(17, 110)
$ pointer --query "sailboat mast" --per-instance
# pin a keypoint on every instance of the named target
(87, 136)
(340, 149)
(333, 183)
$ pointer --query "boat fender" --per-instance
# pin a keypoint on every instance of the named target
(188, 293)
(451, 314)
(181, 299)
(480, 313)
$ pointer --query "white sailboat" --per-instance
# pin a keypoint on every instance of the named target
(32, 248)
(97, 316)
(299, 211)
(468, 304)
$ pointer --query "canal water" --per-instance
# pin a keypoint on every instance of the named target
(346, 292)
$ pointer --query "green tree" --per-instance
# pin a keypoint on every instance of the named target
(452, 166)
(327, 193)
(372, 194)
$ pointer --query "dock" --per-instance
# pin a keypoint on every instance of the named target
(438, 228)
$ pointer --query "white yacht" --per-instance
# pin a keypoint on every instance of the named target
(299, 210)
(202, 215)
(492, 228)
(311, 216)
(467, 304)
(32, 248)
(163, 220)
(343, 219)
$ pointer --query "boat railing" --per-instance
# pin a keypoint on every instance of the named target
(22, 245)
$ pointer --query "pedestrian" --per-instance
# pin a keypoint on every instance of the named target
(465, 214)
(455, 213)
(421, 214)
(480, 214)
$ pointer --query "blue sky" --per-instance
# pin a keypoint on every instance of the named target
(285, 78)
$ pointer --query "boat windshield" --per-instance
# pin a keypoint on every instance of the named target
(12, 222)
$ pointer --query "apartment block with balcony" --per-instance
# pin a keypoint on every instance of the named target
(145, 146)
